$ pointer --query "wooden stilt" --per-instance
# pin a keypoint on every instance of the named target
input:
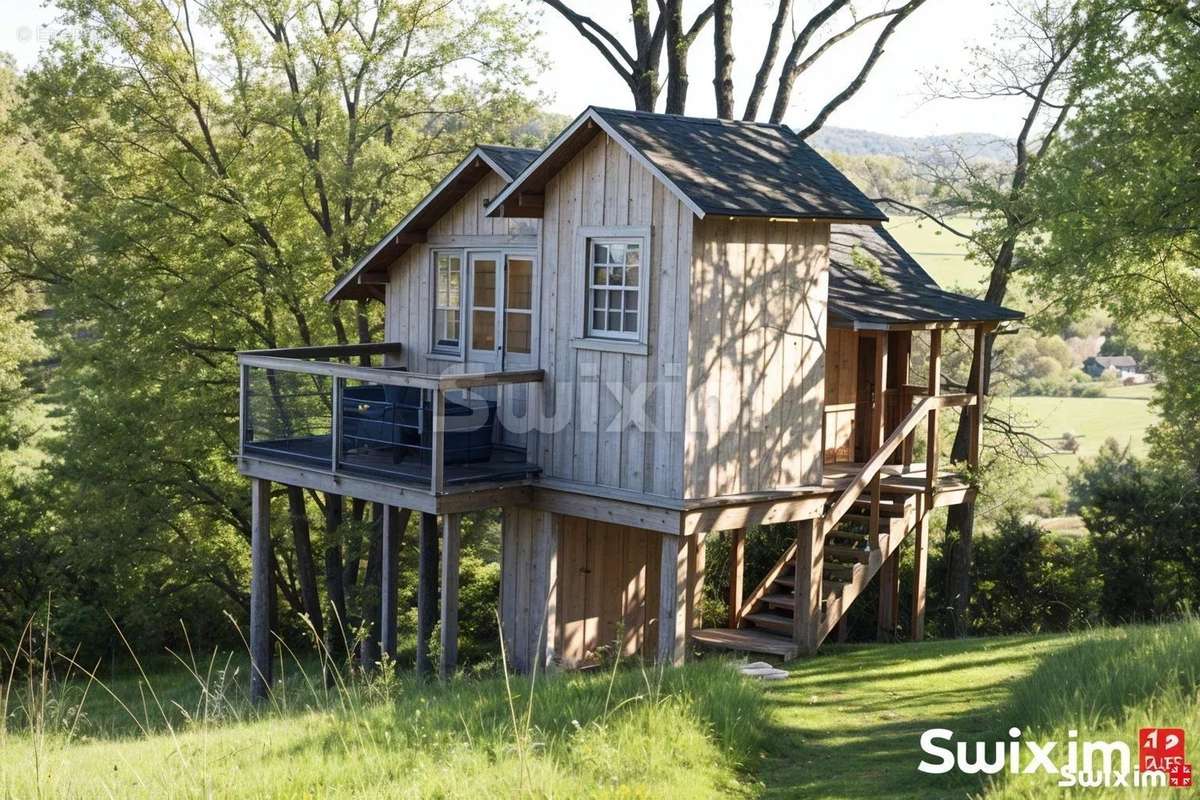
(920, 574)
(737, 571)
(810, 568)
(889, 575)
(394, 522)
(427, 578)
(260, 590)
(449, 640)
(672, 604)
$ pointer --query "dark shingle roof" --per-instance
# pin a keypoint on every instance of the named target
(1116, 362)
(742, 168)
(884, 285)
(510, 159)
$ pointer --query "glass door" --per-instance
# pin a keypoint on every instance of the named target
(517, 344)
(483, 344)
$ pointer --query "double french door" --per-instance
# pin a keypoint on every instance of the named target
(499, 310)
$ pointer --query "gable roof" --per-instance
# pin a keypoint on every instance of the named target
(721, 167)
(363, 279)
(1116, 362)
(874, 283)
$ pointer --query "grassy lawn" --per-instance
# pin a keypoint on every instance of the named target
(844, 725)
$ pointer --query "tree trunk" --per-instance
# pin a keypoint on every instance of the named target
(677, 75)
(723, 50)
(960, 520)
(306, 569)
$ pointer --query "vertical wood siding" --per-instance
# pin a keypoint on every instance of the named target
(756, 360)
(599, 437)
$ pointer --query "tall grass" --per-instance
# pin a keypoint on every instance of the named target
(1106, 685)
(189, 730)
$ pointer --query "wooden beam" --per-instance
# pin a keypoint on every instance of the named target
(260, 590)
(976, 411)
(672, 605)
(933, 445)
(810, 568)
(889, 576)
(427, 578)
(737, 575)
(394, 522)
(450, 558)
(920, 572)
(878, 427)
(695, 588)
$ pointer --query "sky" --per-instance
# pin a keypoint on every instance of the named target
(935, 40)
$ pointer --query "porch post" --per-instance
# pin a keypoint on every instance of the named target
(920, 571)
(427, 569)
(810, 573)
(878, 421)
(394, 522)
(260, 589)
(889, 585)
(976, 441)
(672, 599)
(449, 638)
(737, 569)
(933, 446)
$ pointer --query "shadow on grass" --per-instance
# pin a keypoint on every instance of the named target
(855, 732)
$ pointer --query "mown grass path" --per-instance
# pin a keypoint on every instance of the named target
(848, 723)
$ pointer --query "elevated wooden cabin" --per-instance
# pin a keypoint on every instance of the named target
(656, 330)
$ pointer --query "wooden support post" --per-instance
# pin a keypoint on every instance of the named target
(260, 590)
(843, 628)
(394, 522)
(427, 578)
(933, 444)
(449, 641)
(810, 569)
(437, 439)
(920, 573)
(878, 424)
(889, 577)
(672, 603)
(976, 441)
(737, 573)
(695, 587)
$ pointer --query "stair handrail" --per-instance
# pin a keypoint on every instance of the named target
(861, 480)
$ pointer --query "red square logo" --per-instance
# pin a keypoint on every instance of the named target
(1180, 777)
(1160, 749)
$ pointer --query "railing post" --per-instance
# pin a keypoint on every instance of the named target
(878, 422)
(244, 410)
(737, 569)
(933, 445)
(437, 466)
(335, 423)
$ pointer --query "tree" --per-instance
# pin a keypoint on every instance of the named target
(1037, 63)
(1119, 202)
(225, 163)
(810, 42)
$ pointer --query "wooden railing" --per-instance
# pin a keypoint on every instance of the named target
(867, 475)
(317, 362)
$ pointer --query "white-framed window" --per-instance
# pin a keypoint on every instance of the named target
(616, 290)
(447, 301)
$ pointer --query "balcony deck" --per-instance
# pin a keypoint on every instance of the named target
(504, 463)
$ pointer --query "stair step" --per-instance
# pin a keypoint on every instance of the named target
(749, 640)
(844, 553)
(885, 510)
(842, 573)
(771, 622)
(781, 600)
(885, 520)
(855, 539)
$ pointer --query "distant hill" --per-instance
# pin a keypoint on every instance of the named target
(854, 142)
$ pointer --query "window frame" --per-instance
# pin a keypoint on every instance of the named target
(435, 346)
(634, 342)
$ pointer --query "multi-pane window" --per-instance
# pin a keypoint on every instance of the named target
(614, 288)
(447, 302)
(518, 305)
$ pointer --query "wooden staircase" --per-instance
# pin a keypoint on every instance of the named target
(788, 614)
(852, 558)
